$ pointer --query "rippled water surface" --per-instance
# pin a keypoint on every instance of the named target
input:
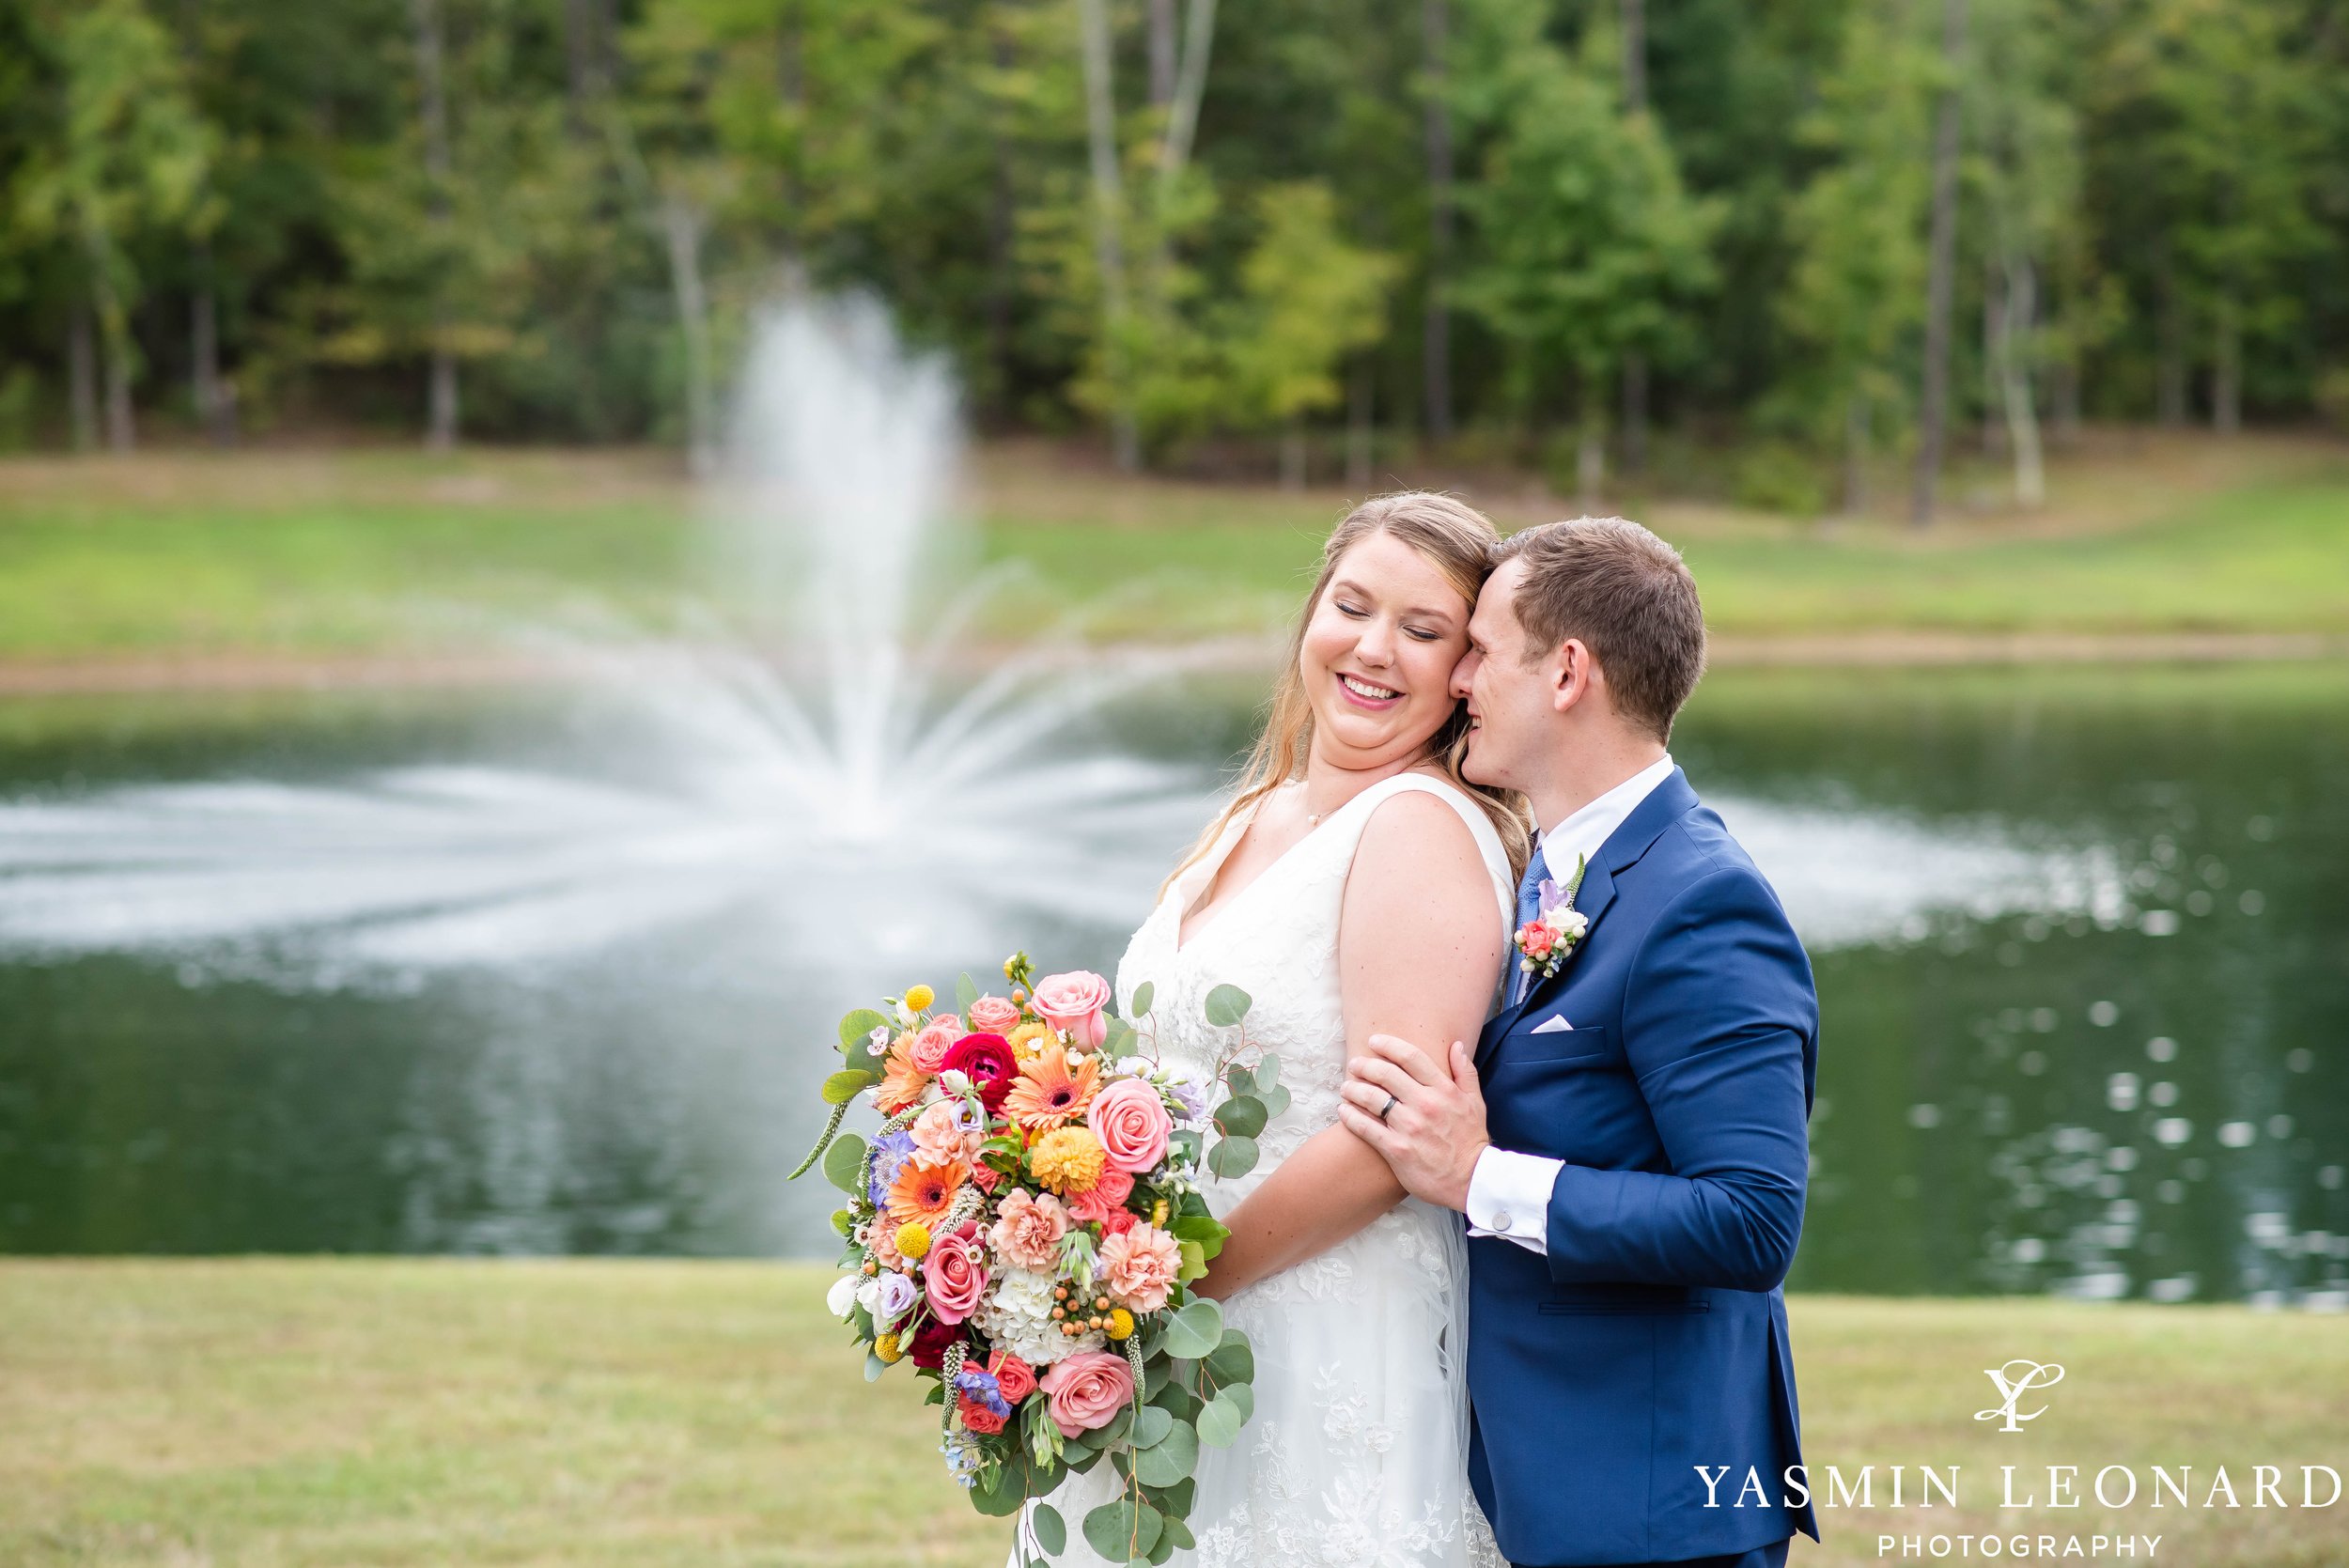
(443, 973)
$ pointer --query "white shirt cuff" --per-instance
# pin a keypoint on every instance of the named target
(1509, 1197)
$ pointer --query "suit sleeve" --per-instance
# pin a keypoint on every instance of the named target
(1718, 1013)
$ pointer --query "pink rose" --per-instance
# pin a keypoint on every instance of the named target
(1075, 1001)
(1087, 1390)
(953, 1275)
(1132, 1121)
(1103, 1199)
(1139, 1267)
(930, 1048)
(994, 1015)
(1028, 1228)
(939, 1133)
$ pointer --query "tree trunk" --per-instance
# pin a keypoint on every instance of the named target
(1635, 383)
(215, 412)
(1162, 53)
(1358, 428)
(682, 225)
(2022, 415)
(1993, 343)
(2169, 387)
(1436, 338)
(440, 423)
(115, 350)
(81, 359)
(1191, 89)
(1934, 396)
(2226, 370)
(1856, 454)
(582, 58)
(2065, 393)
(1109, 249)
(1590, 453)
(1002, 281)
(1292, 456)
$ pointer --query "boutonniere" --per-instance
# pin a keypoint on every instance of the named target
(1544, 941)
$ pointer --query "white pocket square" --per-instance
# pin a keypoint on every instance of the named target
(1555, 1024)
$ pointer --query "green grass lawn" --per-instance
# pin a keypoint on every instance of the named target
(325, 554)
(351, 1413)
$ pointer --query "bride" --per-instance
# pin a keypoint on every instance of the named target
(1356, 884)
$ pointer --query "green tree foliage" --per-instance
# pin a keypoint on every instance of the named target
(552, 218)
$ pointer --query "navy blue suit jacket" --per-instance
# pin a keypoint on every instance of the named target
(1652, 1339)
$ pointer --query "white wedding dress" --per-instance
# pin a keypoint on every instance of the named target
(1358, 1452)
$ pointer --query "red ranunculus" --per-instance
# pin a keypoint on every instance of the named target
(928, 1347)
(988, 1061)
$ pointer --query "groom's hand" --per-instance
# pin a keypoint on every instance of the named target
(1433, 1129)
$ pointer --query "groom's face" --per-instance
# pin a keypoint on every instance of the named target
(1509, 700)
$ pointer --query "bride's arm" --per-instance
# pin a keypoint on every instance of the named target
(1419, 946)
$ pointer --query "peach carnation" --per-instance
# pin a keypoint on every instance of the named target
(1028, 1229)
(940, 1134)
(1138, 1267)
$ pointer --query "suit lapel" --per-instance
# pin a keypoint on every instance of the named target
(1666, 804)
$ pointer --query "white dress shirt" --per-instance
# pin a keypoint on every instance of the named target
(1509, 1192)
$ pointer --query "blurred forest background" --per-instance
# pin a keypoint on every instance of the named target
(1796, 240)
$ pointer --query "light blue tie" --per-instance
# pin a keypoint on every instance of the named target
(1528, 911)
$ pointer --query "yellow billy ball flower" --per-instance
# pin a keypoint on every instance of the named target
(1029, 1039)
(1158, 1214)
(913, 1239)
(1067, 1159)
(889, 1348)
(920, 998)
(1121, 1324)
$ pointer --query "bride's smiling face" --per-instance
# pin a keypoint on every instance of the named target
(1377, 654)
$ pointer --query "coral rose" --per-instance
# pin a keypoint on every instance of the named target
(1014, 1377)
(1130, 1120)
(1028, 1229)
(987, 1061)
(994, 1015)
(953, 1275)
(1104, 1199)
(930, 1048)
(1139, 1267)
(1076, 1002)
(1087, 1390)
(979, 1418)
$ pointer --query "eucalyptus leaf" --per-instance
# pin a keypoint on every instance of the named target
(1234, 1360)
(1240, 1078)
(1195, 1262)
(1173, 1502)
(858, 1025)
(1267, 1071)
(1241, 1116)
(1226, 1005)
(1003, 1497)
(1275, 1099)
(1151, 1425)
(844, 1165)
(1176, 1534)
(1049, 1529)
(1144, 994)
(873, 1367)
(1195, 1331)
(1219, 1423)
(1122, 1529)
(1161, 1554)
(1233, 1156)
(1172, 1458)
(841, 1087)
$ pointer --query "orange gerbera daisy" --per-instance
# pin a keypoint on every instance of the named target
(902, 1082)
(924, 1191)
(1050, 1094)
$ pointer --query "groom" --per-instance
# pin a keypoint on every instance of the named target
(1633, 1166)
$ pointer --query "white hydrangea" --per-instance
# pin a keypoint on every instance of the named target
(1018, 1317)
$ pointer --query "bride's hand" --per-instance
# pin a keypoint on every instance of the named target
(1428, 1123)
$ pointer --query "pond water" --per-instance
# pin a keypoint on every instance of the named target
(2082, 942)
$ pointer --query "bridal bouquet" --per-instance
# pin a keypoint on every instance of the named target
(1024, 1229)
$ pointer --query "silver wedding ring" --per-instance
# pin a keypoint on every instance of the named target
(1391, 1103)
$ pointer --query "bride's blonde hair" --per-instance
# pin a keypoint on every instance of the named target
(1462, 543)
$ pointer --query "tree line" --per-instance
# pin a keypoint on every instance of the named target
(1829, 233)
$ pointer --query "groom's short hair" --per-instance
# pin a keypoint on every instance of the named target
(1627, 596)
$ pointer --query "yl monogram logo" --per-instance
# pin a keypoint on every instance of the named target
(2014, 1380)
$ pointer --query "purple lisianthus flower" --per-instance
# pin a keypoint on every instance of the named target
(1192, 1097)
(897, 1296)
(891, 1151)
(982, 1387)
